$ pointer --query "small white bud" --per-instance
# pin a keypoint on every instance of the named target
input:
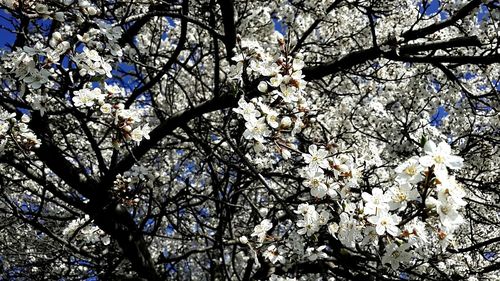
(92, 11)
(262, 87)
(244, 239)
(286, 122)
(25, 118)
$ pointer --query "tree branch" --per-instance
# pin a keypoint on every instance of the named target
(227, 10)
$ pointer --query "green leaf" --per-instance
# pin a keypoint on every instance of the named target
(423, 140)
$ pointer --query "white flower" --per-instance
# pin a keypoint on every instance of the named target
(333, 228)
(323, 217)
(316, 253)
(87, 97)
(308, 227)
(276, 80)
(41, 9)
(316, 157)
(440, 156)
(113, 89)
(271, 115)
(448, 213)
(349, 230)
(139, 133)
(400, 195)
(256, 129)
(410, 171)
(377, 201)
(261, 229)
(106, 108)
(247, 110)
(385, 222)
(316, 181)
(83, 98)
(25, 118)
(243, 240)
(288, 93)
(274, 254)
(312, 220)
(394, 255)
(304, 209)
(298, 64)
(286, 122)
(450, 190)
(415, 231)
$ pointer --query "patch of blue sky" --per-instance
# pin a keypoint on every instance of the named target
(280, 26)
(490, 256)
(128, 76)
(83, 262)
(437, 117)
(204, 212)
(43, 25)
(7, 35)
(430, 8)
(28, 207)
(170, 230)
(170, 268)
(483, 14)
(404, 276)
(149, 225)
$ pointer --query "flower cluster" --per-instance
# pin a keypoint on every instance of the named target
(91, 63)
(425, 201)
(311, 220)
(17, 130)
(421, 208)
(126, 118)
(398, 215)
(24, 64)
(86, 232)
(87, 97)
(261, 229)
(283, 88)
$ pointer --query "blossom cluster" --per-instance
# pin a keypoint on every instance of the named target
(282, 105)
(419, 207)
(127, 120)
(86, 232)
(91, 63)
(18, 131)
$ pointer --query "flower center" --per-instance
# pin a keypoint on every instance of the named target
(411, 170)
(315, 182)
(439, 159)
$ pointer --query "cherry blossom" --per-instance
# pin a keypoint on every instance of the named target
(440, 156)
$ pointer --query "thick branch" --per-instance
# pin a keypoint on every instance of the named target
(227, 10)
(363, 56)
(344, 63)
(422, 32)
(164, 129)
(478, 60)
(466, 41)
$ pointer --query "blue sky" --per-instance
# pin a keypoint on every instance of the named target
(6, 37)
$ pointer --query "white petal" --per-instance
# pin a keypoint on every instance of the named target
(454, 162)
(426, 161)
(429, 147)
(444, 148)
